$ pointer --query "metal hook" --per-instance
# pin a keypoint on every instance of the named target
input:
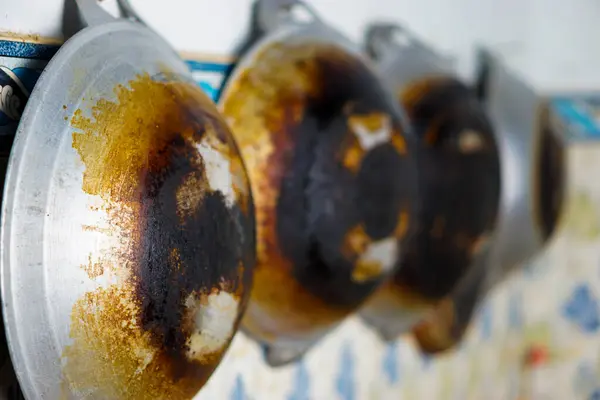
(91, 13)
(128, 12)
(272, 13)
(392, 40)
(380, 37)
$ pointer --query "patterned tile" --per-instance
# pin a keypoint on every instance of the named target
(345, 385)
(391, 363)
(581, 309)
(239, 390)
(301, 386)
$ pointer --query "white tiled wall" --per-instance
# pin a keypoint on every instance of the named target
(554, 42)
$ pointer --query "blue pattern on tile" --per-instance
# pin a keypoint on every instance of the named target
(239, 389)
(427, 360)
(515, 309)
(14, 48)
(581, 308)
(209, 66)
(584, 380)
(486, 320)
(535, 269)
(595, 395)
(390, 363)
(345, 378)
(301, 385)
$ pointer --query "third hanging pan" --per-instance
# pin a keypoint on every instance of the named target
(459, 181)
(533, 185)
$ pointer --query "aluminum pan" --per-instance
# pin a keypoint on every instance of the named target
(55, 234)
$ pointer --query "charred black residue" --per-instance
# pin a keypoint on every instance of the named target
(460, 189)
(179, 258)
(321, 200)
(449, 323)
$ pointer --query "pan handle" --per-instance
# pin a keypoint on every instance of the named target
(381, 38)
(393, 40)
(273, 13)
(129, 12)
(91, 13)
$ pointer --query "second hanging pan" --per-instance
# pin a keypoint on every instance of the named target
(332, 172)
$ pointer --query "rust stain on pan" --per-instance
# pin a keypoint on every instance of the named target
(176, 196)
(445, 326)
(460, 189)
(433, 333)
(328, 163)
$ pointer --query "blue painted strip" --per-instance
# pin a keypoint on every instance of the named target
(10, 48)
(210, 91)
(209, 66)
(577, 117)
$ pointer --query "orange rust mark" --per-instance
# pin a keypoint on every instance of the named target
(136, 137)
(399, 143)
(190, 193)
(355, 242)
(353, 154)
(402, 225)
(433, 334)
(240, 184)
(365, 270)
(93, 268)
(432, 133)
(411, 94)
(93, 228)
(373, 122)
(112, 358)
(113, 153)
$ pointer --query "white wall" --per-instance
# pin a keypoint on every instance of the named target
(554, 42)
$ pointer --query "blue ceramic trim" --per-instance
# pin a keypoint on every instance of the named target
(18, 57)
(38, 51)
(209, 66)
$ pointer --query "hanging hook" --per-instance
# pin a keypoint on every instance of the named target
(392, 40)
(380, 37)
(91, 13)
(129, 12)
(271, 13)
